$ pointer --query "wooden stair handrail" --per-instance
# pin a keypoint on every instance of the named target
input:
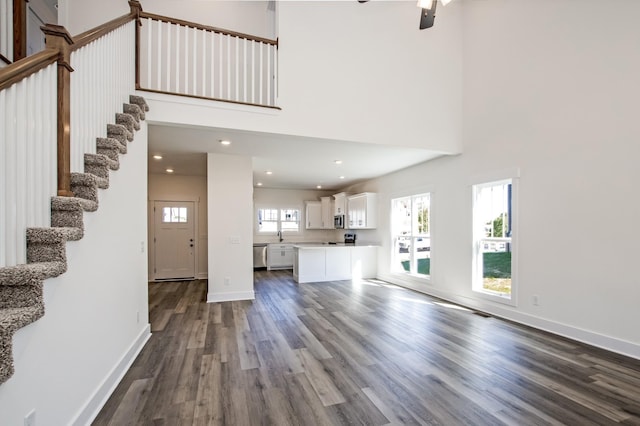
(23, 68)
(87, 37)
(206, 28)
(4, 59)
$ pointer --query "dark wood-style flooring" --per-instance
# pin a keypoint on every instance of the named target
(348, 353)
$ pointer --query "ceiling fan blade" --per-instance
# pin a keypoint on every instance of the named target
(427, 16)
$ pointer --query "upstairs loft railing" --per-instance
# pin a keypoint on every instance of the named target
(54, 104)
(189, 59)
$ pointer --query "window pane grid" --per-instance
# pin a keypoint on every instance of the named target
(174, 215)
(275, 220)
(411, 238)
(493, 216)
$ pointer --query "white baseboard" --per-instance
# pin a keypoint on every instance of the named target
(231, 296)
(100, 396)
(609, 343)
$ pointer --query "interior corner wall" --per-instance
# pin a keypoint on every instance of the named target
(230, 212)
(557, 98)
(96, 314)
(163, 187)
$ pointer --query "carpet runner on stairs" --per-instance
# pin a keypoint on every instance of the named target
(21, 296)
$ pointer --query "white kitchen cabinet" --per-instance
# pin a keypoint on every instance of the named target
(280, 256)
(314, 215)
(319, 214)
(362, 211)
(364, 262)
(326, 204)
(321, 263)
(340, 204)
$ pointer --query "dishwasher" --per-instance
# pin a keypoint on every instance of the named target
(259, 255)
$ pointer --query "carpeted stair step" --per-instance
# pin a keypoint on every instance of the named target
(101, 159)
(98, 165)
(129, 122)
(48, 244)
(85, 186)
(134, 111)
(141, 102)
(12, 320)
(111, 148)
(119, 133)
(21, 296)
(30, 272)
(68, 212)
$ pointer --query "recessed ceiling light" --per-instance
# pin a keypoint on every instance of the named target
(319, 186)
(225, 142)
(169, 170)
(338, 161)
(259, 183)
(341, 177)
(269, 172)
(157, 157)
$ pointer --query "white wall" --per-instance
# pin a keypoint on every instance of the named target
(163, 187)
(291, 198)
(353, 72)
(96, 313)
(230, 211)
(556, 98)
(368, 71)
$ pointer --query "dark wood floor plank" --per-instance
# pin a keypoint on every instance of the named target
(359, 353)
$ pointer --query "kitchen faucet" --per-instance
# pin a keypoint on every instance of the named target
(279, 234)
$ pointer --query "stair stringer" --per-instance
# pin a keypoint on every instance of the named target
(21, 286)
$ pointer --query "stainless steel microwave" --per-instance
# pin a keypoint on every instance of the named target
(338, 221)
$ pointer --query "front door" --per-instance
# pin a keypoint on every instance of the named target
(174, 240)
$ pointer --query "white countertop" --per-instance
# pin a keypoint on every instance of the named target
(328, 245)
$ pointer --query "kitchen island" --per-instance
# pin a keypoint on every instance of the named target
(318, 262)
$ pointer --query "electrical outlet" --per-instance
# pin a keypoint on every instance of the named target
(536, 300)
(138, 317)
(30, 419)
(227, 280)
(141, 246)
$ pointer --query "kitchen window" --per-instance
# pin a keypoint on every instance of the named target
(278, 220)
(494, 219)
(410, 224)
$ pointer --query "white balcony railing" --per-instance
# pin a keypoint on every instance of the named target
(189, 59)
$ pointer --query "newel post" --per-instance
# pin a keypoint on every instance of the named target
(136, 10)
(57, 37)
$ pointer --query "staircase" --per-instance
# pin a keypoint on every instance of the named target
(21, 286)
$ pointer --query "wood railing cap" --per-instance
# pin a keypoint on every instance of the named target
(57, 31)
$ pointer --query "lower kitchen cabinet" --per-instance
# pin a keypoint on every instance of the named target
(280, 256)
(318, 263)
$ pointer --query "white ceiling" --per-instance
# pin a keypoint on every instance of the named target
(296, 163)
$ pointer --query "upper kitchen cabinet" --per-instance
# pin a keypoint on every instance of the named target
(320, 214)
(327, 212)
(362, 211)
(340, 204)
(314, 215)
